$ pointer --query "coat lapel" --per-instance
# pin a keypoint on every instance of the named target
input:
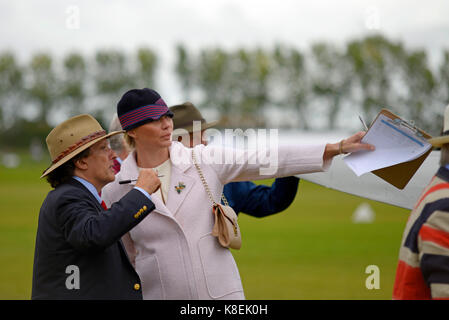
(100, 210)
(180, 183)
(180, 158)
(94, 200)
(175, 197)
(130, 171)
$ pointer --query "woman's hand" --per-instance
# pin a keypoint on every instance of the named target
(351, 144)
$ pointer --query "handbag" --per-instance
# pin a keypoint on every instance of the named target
(226, 228)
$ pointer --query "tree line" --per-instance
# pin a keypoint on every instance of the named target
(326, 81)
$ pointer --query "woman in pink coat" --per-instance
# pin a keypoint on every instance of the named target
(173, 249)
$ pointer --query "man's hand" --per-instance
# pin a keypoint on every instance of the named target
(148, 180)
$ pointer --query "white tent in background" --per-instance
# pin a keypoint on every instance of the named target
(10, 160)
(363, 214)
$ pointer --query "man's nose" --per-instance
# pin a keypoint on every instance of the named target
(112, 153)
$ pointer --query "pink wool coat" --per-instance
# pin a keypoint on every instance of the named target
(173, 250)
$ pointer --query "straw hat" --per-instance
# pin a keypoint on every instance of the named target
(439, 141)
(72, 137)
(184, 116)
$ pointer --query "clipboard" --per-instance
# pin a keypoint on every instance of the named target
(400, 174)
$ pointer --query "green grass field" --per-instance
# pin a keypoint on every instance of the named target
(310, 251)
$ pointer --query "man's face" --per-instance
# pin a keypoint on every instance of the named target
(100, 163)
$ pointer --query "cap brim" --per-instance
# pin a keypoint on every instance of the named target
(148, 119)
(78, 151)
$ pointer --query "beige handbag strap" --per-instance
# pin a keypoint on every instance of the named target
(203, 180)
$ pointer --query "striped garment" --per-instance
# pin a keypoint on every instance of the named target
(153, 111)
(423, 268)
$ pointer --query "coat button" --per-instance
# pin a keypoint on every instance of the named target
(136, 286)
(144, 208)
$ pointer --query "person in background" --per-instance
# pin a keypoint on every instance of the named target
(78, 254)
(423, 267)
(175, 253)
(118, 144)
(243, 196)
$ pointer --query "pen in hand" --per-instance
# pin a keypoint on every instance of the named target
(132, 180)
(363, 123)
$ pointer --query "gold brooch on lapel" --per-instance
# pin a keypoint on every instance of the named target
(179, 187)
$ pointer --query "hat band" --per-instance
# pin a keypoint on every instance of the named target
(152, 112)
(189, 124)
(78, 144)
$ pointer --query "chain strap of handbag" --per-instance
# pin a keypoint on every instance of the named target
(226, 228)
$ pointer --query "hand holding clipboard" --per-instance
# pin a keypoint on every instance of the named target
(401, 148)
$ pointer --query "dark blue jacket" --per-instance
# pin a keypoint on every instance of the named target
(259, 200)
(74, 230)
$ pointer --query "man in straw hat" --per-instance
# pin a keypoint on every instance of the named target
(243, 196)
(78, 253)
(423, 268)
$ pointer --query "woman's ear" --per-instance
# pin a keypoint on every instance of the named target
(131, 133)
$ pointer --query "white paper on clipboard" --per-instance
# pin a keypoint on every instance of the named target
(395, 143)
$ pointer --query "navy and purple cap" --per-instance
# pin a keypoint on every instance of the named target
(139, 106)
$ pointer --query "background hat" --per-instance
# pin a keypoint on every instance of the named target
(72, 137)
(139, 106)
(444, 138)
(185, 114)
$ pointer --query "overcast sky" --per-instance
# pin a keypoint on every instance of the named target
(59, 26)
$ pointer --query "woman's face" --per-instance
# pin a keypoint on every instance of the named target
(156, 133)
